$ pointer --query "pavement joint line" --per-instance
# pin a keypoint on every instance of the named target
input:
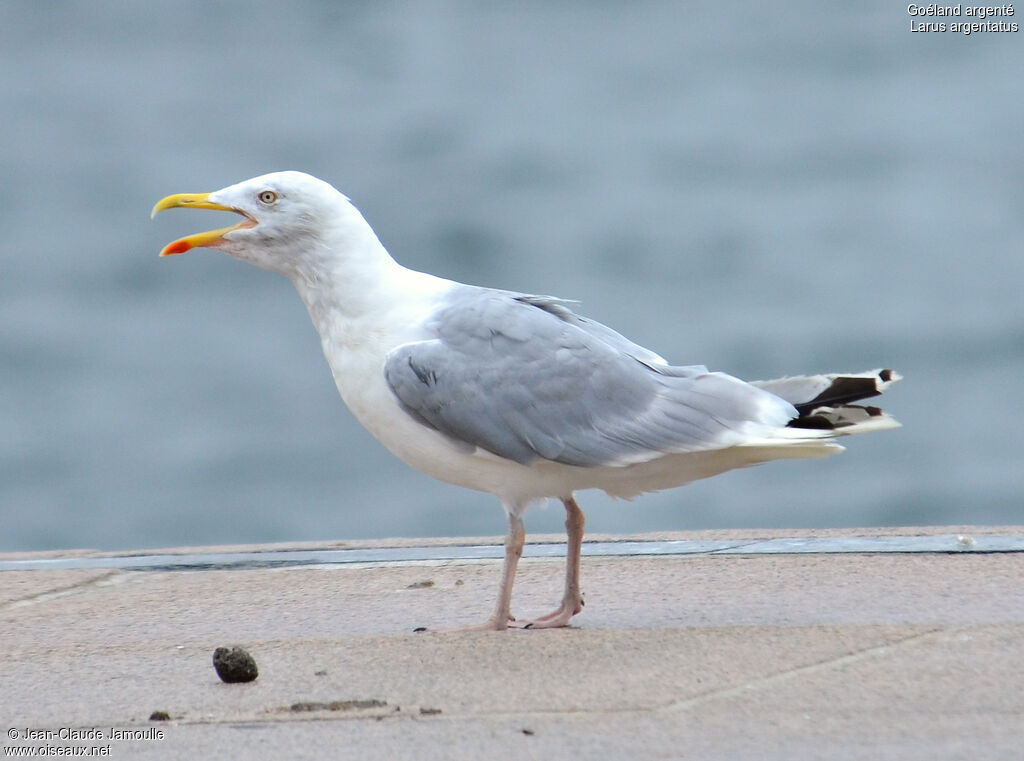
(780, 677)
(108, 579)
(248, 560)
(275, 716)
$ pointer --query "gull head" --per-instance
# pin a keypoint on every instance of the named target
(289, 220)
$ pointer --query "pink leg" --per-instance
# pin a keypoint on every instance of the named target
(572, 600)
(513, 551)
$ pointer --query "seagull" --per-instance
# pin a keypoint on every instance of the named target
(510, 393)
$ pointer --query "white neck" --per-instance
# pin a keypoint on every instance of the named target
(350, 283)
(346, 276)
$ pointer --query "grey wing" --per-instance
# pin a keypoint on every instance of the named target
(560, 308)
(526, 379)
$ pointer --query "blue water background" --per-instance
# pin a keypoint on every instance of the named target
(764, 188)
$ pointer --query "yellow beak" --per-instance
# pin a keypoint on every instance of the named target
(197, 201)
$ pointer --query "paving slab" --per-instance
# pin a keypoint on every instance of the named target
(768, 654)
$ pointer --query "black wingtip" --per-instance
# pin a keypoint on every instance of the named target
(848, 388)
(832, 418)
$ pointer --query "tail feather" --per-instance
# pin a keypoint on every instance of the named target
(823, 402)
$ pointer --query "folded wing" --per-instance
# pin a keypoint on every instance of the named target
(525, 378)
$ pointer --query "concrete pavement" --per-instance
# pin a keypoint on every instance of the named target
(702, 655)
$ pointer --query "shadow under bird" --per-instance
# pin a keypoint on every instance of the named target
(510, 393)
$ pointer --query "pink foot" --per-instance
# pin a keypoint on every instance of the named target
(556, 618)
(492, 624)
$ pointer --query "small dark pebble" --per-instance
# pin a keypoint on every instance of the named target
(421, 584)
(321, 672)
(459, 582)
(429, 711)
(419, 629)
(528, 732)
(234, 665)
(159, 716)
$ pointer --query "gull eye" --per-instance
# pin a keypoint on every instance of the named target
(268, 197)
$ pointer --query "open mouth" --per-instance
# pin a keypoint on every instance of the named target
(210, 239)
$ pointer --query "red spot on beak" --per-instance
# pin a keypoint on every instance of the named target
(177, 247)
